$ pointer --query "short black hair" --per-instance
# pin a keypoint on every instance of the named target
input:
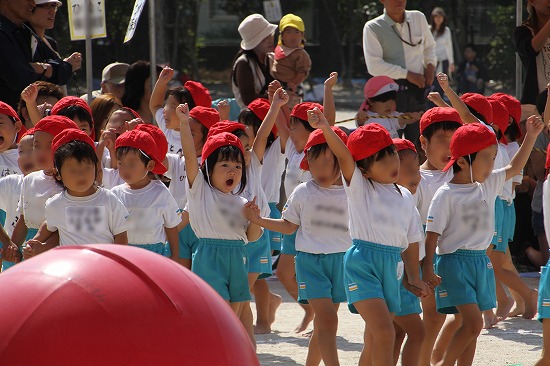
(121, 151)
(404, 152)
(182, 95)
(384, 97)
(447, 126)
(78, 112)
(478, 115)
(541, 101)
(79, 150)
(248, 118)
(512, 131)
(224, 153)
(296, 120)
(457, 168)
(316, 150)
(366, 164)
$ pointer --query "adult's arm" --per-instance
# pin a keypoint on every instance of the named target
(15, 69)
(245, 82)
(374, 54)
(429, 44)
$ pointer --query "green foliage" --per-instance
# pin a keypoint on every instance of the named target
(501, 57)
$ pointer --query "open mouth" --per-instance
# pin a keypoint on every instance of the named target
(1, 140)
(229, 182)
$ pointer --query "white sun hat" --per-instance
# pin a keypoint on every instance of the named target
(253, 29)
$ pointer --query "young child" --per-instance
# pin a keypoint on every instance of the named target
(292, 63)
(372, 270)
(407, 321)
(380, 104)
(461, 224)
(10, 186)
(216, 214)
(193, 93)
(82, 213)
(79, 111)
(153, 211)
(36, 102)
(317, 210)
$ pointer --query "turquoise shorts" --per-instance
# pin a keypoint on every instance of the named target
(544, 293)
(188, 242)
(467, 277)
(499, 219)
(410, 303)
(509, 224)
(259, 255)
(289, 244)
(159, 248)
(3, 218)
(320, 276)
(223, 264)
(31, 233)
(373, 271)
(275, 237)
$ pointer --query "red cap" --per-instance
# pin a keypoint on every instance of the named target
(68, 135)
(317, 138)
(141, 140)
(54, 125)
(28, 132)
(225, 126)
(214, 142)
(480, 104)
(500, 117)
(512, 105)
(402, 144)
(367, 140)
(160, 140)
(131, 111)
(260, 107)
(207, 116)
(438, 114)
(300, 110)
(7, 110)
(74, 101)
(470, 139)
(201, 95)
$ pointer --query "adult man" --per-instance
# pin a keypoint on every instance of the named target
(112, 81)
(399, 44)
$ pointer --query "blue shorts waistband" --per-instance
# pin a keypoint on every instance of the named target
(467, 253)
(272, 205)
(377, 247)
(146, 245)
(221, 242)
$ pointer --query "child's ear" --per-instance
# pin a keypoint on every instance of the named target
(18, 126)
(423, 142)
(57, 174)
(463, 163)
(151, 165)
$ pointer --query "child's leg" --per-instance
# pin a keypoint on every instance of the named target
(472, 323)
(325, 326)
(504, 302)
(433, 321)
(545, 357)
(399, 338)
(447, 333)
(380, 328)
(266, 306)
(519, 306)
(412, 325)
(246, 312)
(513, 281)
(314, 357)
(286, 273)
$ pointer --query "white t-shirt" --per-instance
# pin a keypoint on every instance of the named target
(214, 214)
(322, 214)
(390, 124)
(151, 208)
(36, 189)
(422, 241)
(274, 166)
(177, 175)
(430, 181)
(254, 185)
(464, 214)
(504, 160)
(111, 178)
(373, 209)
(512, 149)
(10, 192)
(444, 46)
(294, 175)
(94, 219)
(173, 136)
(8, 163)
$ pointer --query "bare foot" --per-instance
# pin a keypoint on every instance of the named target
(308, 334)
(503, 310)
(308, 317)
(274, 302)
(531, 305)
(262, 329)
(518, 309)
(489, 319)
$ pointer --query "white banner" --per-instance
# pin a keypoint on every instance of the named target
(272, 10)
(77, 19)
(136, 13)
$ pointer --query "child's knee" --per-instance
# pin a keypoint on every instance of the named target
(473, 326)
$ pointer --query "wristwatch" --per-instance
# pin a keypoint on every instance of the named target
(45, 69)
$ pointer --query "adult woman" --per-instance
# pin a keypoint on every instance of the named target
(443, 41)
(250, 76)
(102, 107)
(137, 92)
(533, 47)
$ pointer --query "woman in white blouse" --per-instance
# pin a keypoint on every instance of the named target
(443, 40)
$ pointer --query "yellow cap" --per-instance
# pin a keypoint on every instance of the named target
(291, 20)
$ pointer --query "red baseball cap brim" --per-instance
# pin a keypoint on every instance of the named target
(317, 137)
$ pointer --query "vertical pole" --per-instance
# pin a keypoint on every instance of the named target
(519, 76)
(152, 43)
(89, 58)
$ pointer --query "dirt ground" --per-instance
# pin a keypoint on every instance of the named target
(514, 342)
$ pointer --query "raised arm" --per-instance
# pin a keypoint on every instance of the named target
(157, 97)
(339, 149)
(189, 153)
(329, 108)
(280, 98)
(29, 95)
(456, 102)
(533, 127)
(282, 118)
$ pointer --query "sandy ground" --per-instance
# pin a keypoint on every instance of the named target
(513, 342)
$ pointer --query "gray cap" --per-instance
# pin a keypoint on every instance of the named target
(115, 73)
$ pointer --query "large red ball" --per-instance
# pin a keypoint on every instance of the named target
(115, 305)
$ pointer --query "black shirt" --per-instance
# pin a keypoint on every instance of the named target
(522, 39)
